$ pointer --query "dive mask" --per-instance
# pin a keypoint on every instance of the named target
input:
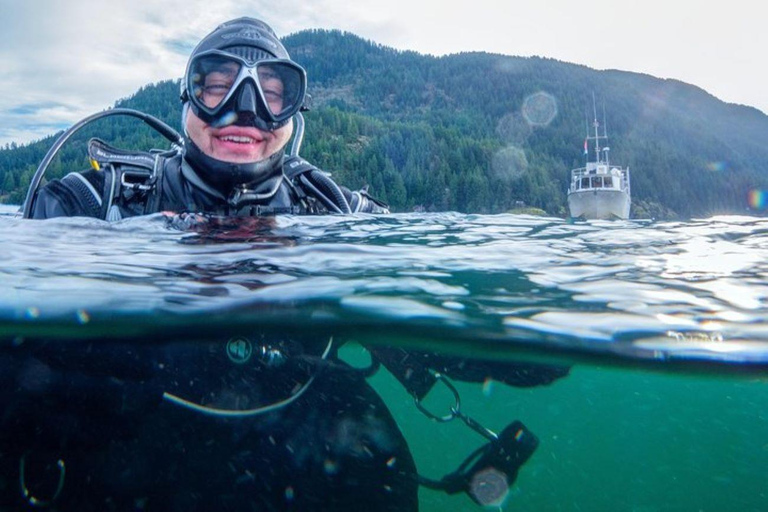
(225, 89)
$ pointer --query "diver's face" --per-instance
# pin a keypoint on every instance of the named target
(236, 144)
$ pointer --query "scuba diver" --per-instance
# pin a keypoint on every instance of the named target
(263, 422)
(240, 95)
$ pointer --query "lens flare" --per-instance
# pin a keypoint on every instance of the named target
(82, 316)
(539, 109)
(758, 199)
(513, 129)
(717, 166)
(488, 387)
(509, 163)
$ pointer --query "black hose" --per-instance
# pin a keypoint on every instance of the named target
(159, 126)
(328, 186)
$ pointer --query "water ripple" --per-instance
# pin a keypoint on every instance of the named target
(690, 290)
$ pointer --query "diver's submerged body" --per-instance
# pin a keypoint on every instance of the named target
(188, 427)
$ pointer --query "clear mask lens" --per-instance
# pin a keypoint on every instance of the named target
(282, 87)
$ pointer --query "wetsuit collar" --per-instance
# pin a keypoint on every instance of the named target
(189, 173)
(240, 196)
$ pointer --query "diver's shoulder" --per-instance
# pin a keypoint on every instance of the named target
(78, 194)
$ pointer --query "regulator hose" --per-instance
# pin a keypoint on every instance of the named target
(159, 126)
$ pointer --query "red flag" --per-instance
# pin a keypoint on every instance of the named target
(586, 147)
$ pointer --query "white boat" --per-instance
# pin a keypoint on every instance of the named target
(600, 190)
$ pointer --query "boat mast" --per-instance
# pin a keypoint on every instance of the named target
(606, 149)
(596, 125)
(597, 136)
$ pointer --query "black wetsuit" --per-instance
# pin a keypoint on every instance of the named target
(108, 411)
(180, 189)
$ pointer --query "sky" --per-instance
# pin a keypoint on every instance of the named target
(66, 59)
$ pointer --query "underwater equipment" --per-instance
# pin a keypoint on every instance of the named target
(487, 474)
(233, 413)
(166, 131)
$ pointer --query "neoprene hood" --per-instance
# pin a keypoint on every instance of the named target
(252, 40)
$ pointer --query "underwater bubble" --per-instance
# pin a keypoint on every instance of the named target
(489, 487)
(539, 109)
(509, 163)
(513, 129)
(758, 199)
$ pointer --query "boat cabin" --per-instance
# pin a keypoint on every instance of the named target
(600, 176)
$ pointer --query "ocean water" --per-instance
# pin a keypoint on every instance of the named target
(662, 323)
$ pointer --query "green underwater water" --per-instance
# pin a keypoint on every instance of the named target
(611, 439)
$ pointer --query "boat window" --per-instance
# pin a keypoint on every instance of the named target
(584, 182)
(597, 182)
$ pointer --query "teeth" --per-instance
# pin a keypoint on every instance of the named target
(238, 139)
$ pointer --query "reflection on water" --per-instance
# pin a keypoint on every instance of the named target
(658, 319)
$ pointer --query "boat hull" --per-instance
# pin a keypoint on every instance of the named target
(599, 204)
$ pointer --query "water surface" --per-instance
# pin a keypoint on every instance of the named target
(663, 322)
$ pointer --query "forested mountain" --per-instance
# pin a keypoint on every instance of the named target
(478, 132)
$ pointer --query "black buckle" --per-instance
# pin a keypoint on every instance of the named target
(137, 179)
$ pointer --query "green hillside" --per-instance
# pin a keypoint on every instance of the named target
(477, 132)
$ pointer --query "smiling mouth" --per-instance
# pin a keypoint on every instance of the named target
(238, 139)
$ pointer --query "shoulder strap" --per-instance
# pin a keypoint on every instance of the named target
(131, 177)
(103, 154)
(87, 200)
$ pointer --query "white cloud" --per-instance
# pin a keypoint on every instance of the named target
(72, 58)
